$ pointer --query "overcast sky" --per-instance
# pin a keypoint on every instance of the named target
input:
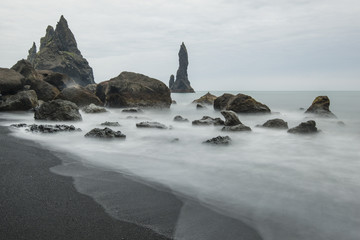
(232, 44)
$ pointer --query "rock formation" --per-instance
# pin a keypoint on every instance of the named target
(320, 106)
(275, 123)
(47, 128)
(80, 96)
(206, 121)
(206, 99)
(134, 90)
(92, 108)
(232, 122)
(171, 81)
(59, 53)
(179, 118)
(305, 128)
(32, 53)
(10, 81)
(240, 103)
(105, 133)
(21, 101)
(219, 140)
(58, 110)
(182, 84)
(151, 125)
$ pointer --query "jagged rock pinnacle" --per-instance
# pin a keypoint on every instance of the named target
(32, 53)
(171, 81)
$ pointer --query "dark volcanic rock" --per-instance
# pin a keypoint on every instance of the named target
(206, 120)
(179, 118)
(320, 106)
(32, 53)
(92, 108)
(236, 128)
(21, 101)
(105, 133)
(134, 90)
(132, 110)
(240, 103)
(275, 123)
(304, 128)
(58, 110)
(206, 99)
(200, 106)
(231, 119)
(80, 96)
(59, 53)
(171, 81)
(52, 128)
(182, 83)
(59, 80)
(219, 140)
(91, 88)
(10, 81)
(111, 124)
(151, 125)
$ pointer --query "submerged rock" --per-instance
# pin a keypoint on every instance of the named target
(179, 118)
(59, 53)
(58, 110)
(231, 119)
(206, 99)
(80, 96)
(200, 106)
(104, 133)
(111, 124)
(151, 125)
(92, 108)
(236, 128)
(305, 128)
(132, 110)
(182, 83)
(275, 123)
(320, 106)
(134, 90)
(239, 103)
(206, 120)
(219, 140)
(47, 128)
(21, 101)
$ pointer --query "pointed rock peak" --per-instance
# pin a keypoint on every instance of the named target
(48, 37)
(182, 83)
(65, 39)
(62, 22)
(32, 54)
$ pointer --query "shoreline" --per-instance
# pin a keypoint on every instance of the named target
(109, 205)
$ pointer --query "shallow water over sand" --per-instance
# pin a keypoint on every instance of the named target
(285, 186)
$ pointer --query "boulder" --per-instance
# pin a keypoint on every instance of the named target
(134, 90)
(200, 106)
(59, 80)
(58, 110)
(59, 53)
(206, 120)
(132, 110)
(206, 99)
(275, 123)
(305, 128)
(10, 81)
(21, 101)
(92, 108)
(80, 96)
(182, 83)
(236, 128)
(219, 140)
(179, 118)
(231, 119)
(25, 68)
(151, 125)
(240, 103)
(320, 106)
(105, 133)
(111, 124)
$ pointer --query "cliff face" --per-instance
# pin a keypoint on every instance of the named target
(59, 53)
(182, 83)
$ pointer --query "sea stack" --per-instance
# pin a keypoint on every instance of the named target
(182, 84)
(59, 53)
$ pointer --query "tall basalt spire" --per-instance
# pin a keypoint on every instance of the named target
(182, 83)
(32, 54)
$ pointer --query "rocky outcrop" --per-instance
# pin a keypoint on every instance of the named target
(182, 83)
(206, 120)
(59, 53)
(275, 123)
(80, 96)
(58, 110)
(151, 125)
(219, 140)
(10, 81)
(105, 133)
(305, 128)
(206, 99)
(92, 108)
(91, 88)
(59, 80)
(21, 101)
(179, 118)
(110, 124)
(240, 103)
(47, 128)
(232, 122)
(32, 53)
(171, 81)
(320, 106)
(134, 90)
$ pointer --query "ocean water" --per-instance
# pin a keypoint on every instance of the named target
(286, 186)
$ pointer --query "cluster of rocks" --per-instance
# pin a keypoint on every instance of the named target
(47, 128)
(106, 133)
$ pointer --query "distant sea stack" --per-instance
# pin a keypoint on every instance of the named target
(182, 83)
(59, 53)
